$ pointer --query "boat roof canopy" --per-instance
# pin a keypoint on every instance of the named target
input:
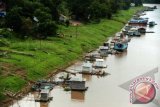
(45, 91)
(99, 60)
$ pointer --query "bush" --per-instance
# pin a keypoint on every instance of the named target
(6, 33)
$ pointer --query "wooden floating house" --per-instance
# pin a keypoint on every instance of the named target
(78, 85)
(134, 32)
(138, 22)
(92, 56)
(103, 51)
(100, 63)
(87, 67)
(44, 96)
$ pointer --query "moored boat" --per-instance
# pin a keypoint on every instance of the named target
(103, 51)
(142, 29)
(152, 23)
(100, 63)
(134, 32)
(120, 46)
(44, 96)
(138, 22)
(86, 67)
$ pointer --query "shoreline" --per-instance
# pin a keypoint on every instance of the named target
(54, 72)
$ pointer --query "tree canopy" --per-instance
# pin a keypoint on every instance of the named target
(40, 17)
(152, 1)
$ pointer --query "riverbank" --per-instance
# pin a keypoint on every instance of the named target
(43, 57)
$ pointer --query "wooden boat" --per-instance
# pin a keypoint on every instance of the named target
(152, 23)
(154, 7)
(142, 29)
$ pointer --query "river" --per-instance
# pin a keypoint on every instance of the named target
(142, 56)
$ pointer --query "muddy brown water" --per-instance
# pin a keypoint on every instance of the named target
(143, 55)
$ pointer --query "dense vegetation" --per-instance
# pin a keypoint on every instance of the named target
(39, 18)
(28, 59)
(152, 1)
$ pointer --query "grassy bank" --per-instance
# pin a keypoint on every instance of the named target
(43, 57)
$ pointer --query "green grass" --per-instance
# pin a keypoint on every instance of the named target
(10, 81)
(58, 52)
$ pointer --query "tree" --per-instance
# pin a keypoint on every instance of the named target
(27, 27)
(45, 26)
(42, 15)
(46, 29)
(53, 6)
(12, 3)
(151, 1)
(14, 19)
(137, 2)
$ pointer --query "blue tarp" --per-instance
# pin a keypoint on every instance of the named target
(2, 14)
(138, 21)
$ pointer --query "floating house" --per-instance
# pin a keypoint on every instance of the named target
(134, 32)
(104, 50)
(92, 56)
(78, 86)
(87, 67)
(138, 22)
(44, 96)
(100, 63)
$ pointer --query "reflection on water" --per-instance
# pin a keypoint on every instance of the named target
(77, 95)
(43, 104)
(143, 55)
(87, 77)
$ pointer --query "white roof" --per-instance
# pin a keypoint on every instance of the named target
(45, 91)
(99, 60)
(118, 34)
(77, 79)
(132, 29)
(103, 47)
(87, 64)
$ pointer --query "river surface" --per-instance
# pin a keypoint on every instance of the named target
(142, 56)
